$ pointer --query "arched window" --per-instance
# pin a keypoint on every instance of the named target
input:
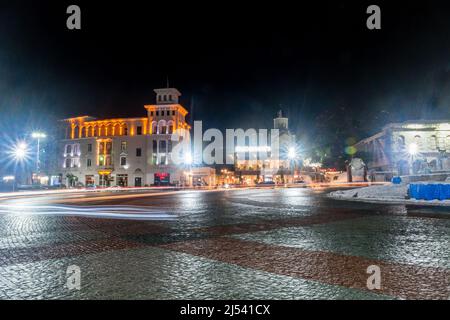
(170, 126)
(125, 130)
(76, 133)
(418, 141)
(433, 143)
(83, 132)
(95, 131)
(154, 127)
(116, 130)
(109, 130)
(101, 131)
(401, 142)
(88, 132)
(162, 128)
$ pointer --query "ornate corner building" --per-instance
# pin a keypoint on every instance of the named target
(132, 152)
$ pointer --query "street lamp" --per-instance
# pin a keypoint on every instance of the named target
(19, 153)
(38, 136)
(188, 163)
(413, 149)
(188, 159)
(292, 153)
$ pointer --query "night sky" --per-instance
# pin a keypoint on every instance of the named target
(238, 62)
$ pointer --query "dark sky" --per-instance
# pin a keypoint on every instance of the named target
(240, 61)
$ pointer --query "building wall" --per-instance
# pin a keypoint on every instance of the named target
(152, 135)
(390, 149)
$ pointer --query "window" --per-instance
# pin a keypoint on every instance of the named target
(138, 152)
(173, 112)
(68, 149)
(151, 113)
(101, 148)
(162, 146)
(125, 131)
(162, 113)
(76, 162)
(165, 97)
(418, 141)
(169, 146)
(170, 97)
(108, 147)
(89, 163)
(123, 161)
(155, 146)
(433, 143)
(68, 163)
(89, 147)
(157, 113)
(139, 130)
(123, 146)
(76, 149)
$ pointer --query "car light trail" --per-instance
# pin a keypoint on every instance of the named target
(111, 212)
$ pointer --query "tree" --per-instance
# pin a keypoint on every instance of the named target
(72, 179)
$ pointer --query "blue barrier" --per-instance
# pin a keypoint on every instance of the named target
(396, 180)
(429, 191)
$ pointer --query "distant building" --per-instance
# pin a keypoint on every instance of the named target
(412, 147)
(125, 152)
(250, 170)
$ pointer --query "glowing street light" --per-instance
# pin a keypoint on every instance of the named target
(413, 149)
(20, 151)
(188, 159)
(292, 153)
(38, 135)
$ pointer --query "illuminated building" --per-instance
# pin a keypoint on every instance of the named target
(417, 147)
(125, 152)
(250, 168)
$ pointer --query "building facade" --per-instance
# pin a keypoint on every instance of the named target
(250, 168)
(128, 152)
(412, 147)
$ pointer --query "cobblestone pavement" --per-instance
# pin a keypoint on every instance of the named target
(237, 244)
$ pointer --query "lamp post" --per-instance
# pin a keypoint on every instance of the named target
(413, 149)
(38, 136)
(292, 156)
(19, 154)
(188, 163)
